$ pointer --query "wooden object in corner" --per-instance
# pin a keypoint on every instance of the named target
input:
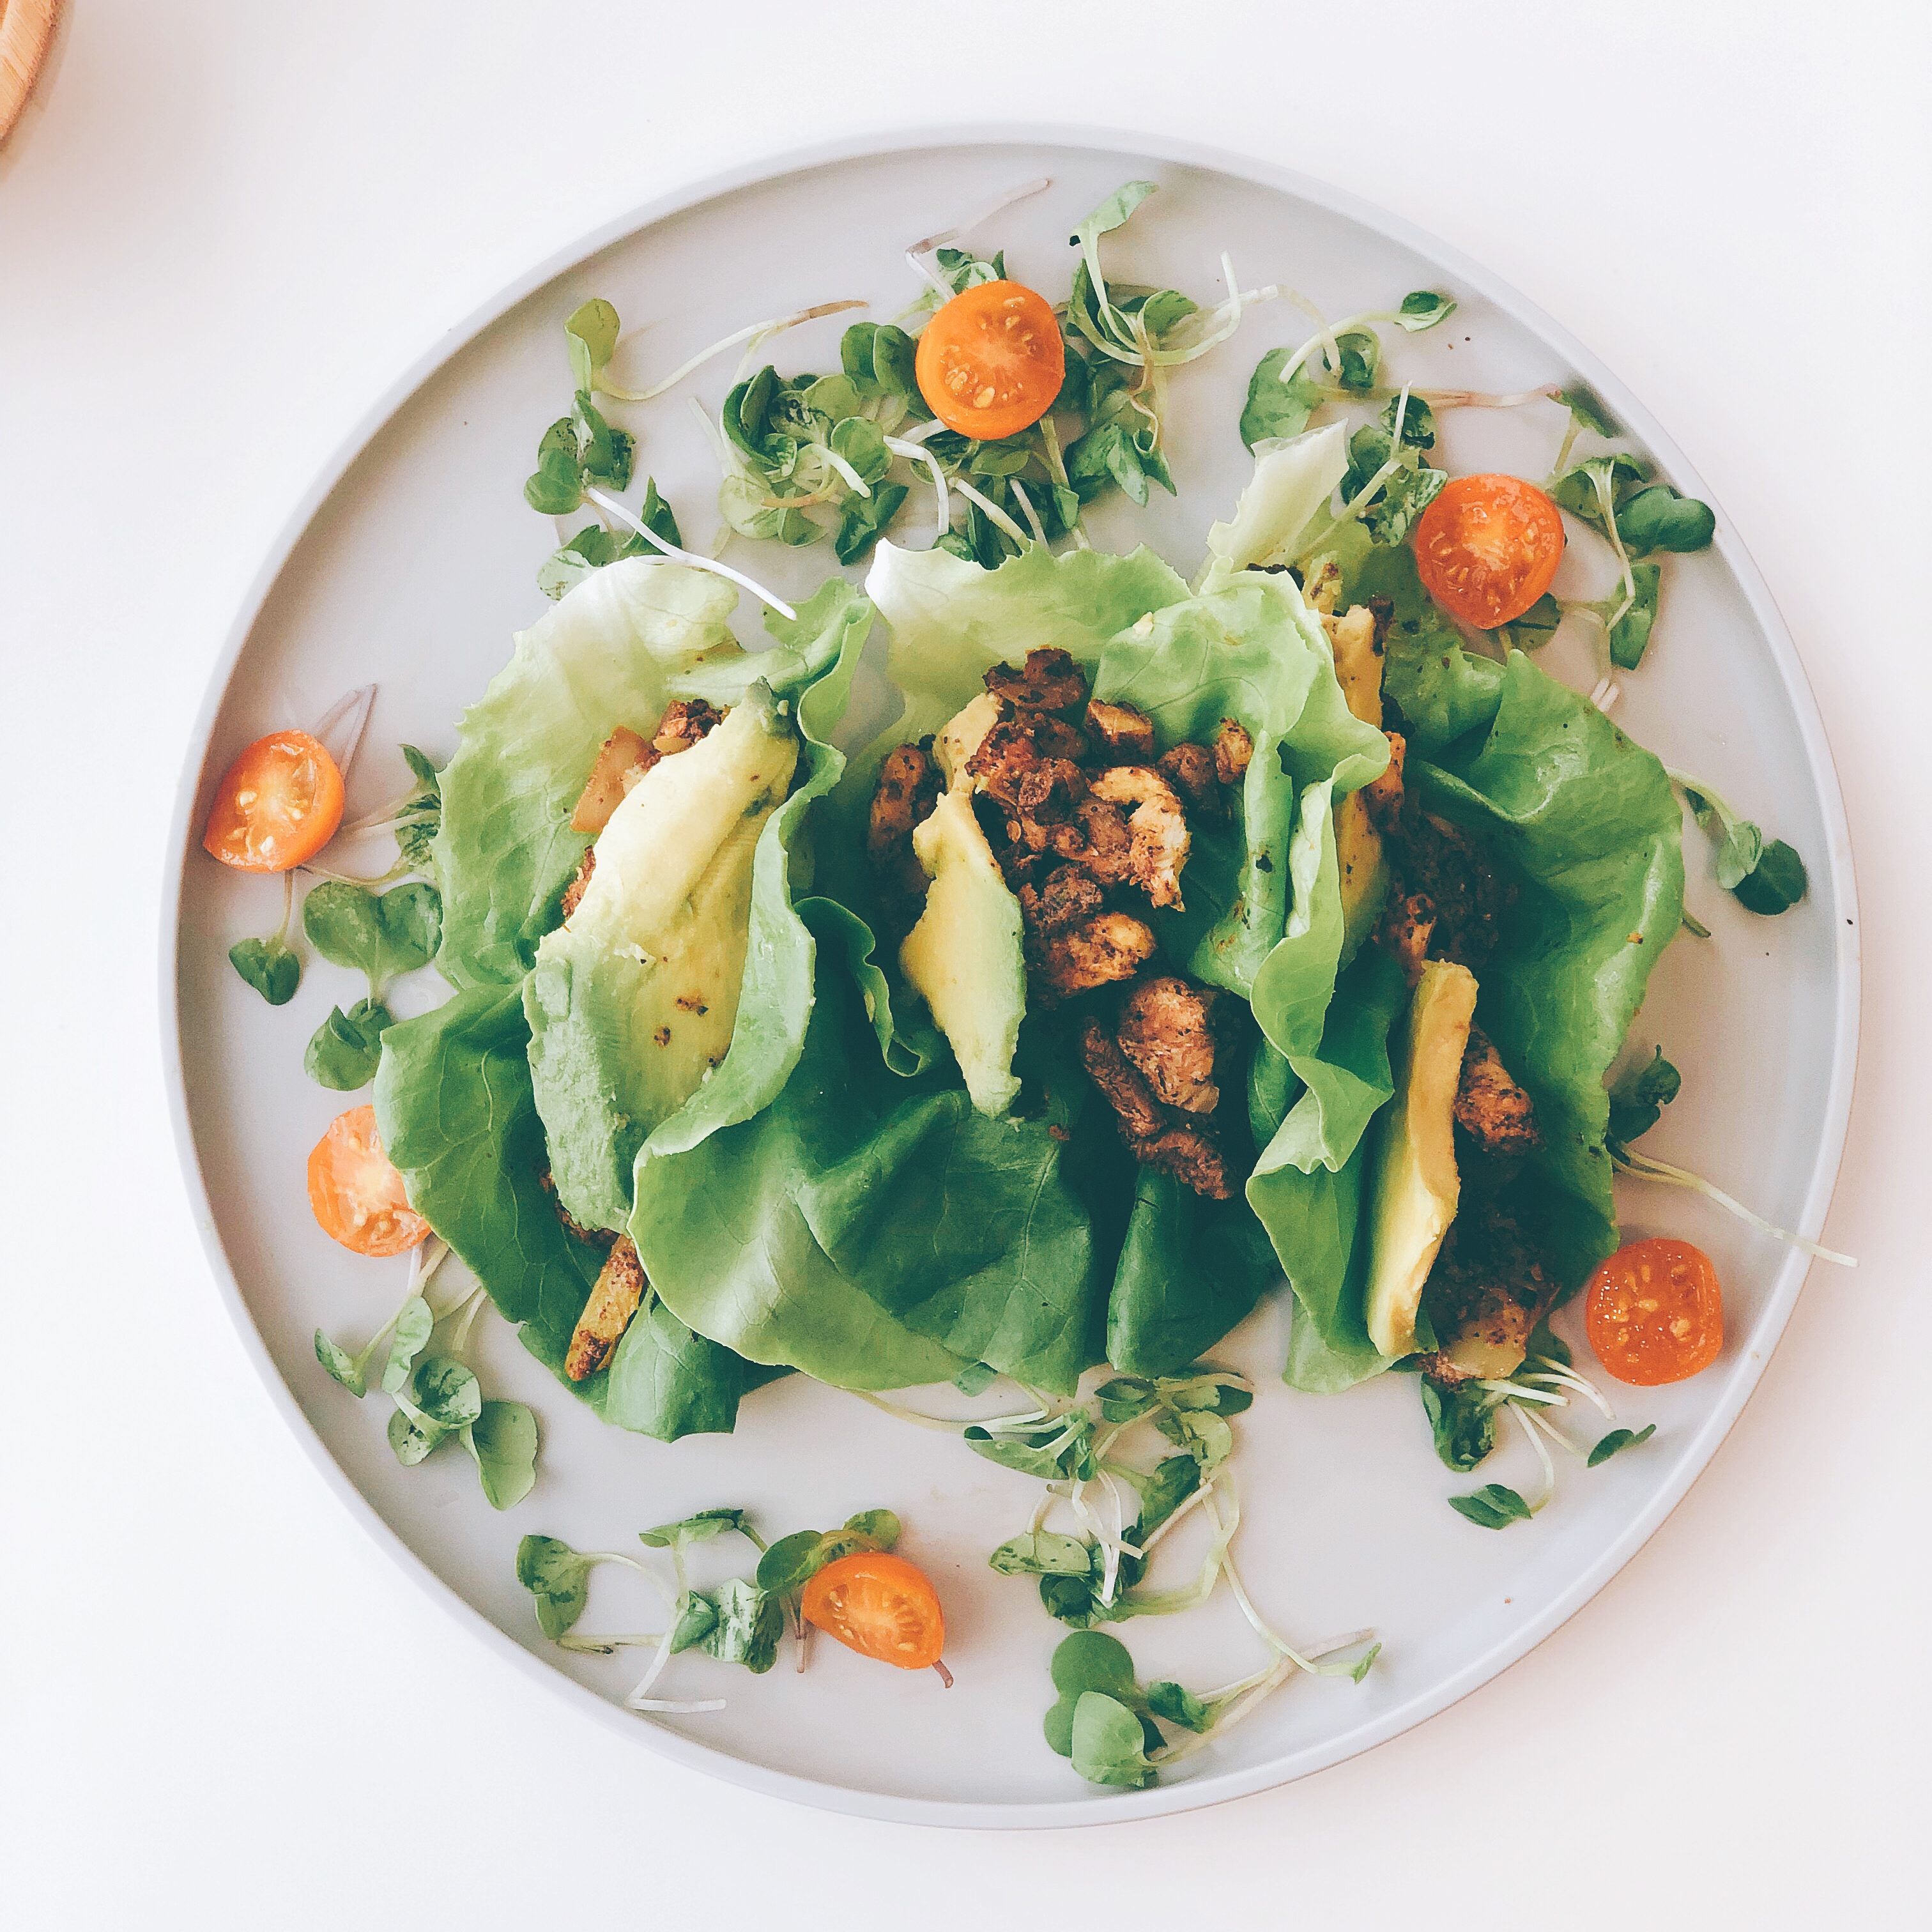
(26, 32)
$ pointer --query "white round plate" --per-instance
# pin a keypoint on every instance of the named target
(410, 565)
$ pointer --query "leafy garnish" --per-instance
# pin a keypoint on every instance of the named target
(1619, 1438)
(1495, 1506)
(1639, 1097)
(1765, 876)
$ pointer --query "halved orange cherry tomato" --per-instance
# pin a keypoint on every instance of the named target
(990, 362)
(880, 1606)
(277, 804)
(1488, 547)
(356, 1191)
(1654, 1312)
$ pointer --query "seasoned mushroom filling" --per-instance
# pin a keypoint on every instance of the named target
(1090, 822)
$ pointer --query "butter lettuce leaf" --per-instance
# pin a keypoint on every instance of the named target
(876, 1231)
(457, 1117)
(603, 657)
(1187, 1269)
(1586, 821)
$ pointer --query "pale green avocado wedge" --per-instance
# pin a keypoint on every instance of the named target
(1365, 877)
(964, 956)
(631, 1003)
(1414, 1188)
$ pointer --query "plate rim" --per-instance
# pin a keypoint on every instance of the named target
(1198, 1792)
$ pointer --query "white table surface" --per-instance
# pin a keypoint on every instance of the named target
(224, 228)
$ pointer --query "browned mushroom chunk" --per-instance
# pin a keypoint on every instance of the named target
(1168, 1031)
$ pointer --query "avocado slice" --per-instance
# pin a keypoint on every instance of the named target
(1414, 1186)
(632, 1002)
(1358, 846)
(964, 956)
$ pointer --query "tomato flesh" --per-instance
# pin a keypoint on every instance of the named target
(1488, 547)
(356, 1191)
(1654, 1312)
(880, 1606)
(277, 805)
(991, 360)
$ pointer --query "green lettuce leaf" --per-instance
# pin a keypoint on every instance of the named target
(603, 657)
(454, 1104)
(1187, 1269)
(876, 1231)
(1587, 821)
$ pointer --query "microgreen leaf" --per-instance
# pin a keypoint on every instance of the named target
(590, 331)
(556, 487)
(699, 1528)
(1043, 1553)
(1092, 1661)
(878, 357)
(880, 1527)
(862, 520)
(605, 453)
(1764, 876)
(1125, 1398)
(446, 1391)
(1617, 1439)
(1174, 1704)
(1107, 1743)
(1462, 1419)
(1534, 628)
(1775, 884)
(1495, 1506)
(349, 1370)
(559, 1577)
(502, 1442)
(593, 547)
(1658, 518)
(789, 1564)
(750, 1622)
(343, 1052)
(1587, 407)
(1632, 624)
(378, 934)
(1361, 353)
(1275, 409)
(695, 1618)
(414, 1437)
(269, 965)
(1423, 308)
(407, 1340)
(1639, 1096)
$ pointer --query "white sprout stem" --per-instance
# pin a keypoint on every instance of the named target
(1515, 1391)
(1599, 482)
(1056, 465)
(1536, 1442)
(853, 480)
(756, 331)
(1450, 399)
(697, 562)
(288, 908)
(1555, 1435)
(714, 430)
(344, 723)
(1606, 694)
(653, 1671)
(1219, 323)
(916, 452)
(1037, 186)
(1032, 515)
(1329, 338)
(920, 432)
(1645, 1169)
(607, 1646)
(928, 273)
(1249, 1692)
(464, 1321)
(997, 516)
(951, 1424)
(425, 1258)
(676, 1707)
(1550, 1371)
